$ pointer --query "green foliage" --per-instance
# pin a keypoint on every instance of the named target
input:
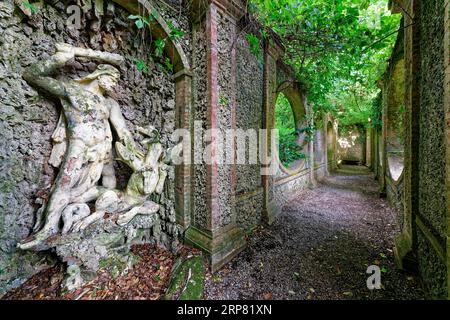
(157, 56)
(160, 44)
(376, 113)
(187, 280)
(141, 65)
(175, 33)
(338, 48)
(223, 101)
(255, 44)
(168, 64)
(141, 21)
(289, 150)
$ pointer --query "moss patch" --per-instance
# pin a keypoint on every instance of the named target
(187, 280)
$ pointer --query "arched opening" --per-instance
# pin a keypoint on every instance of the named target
(290, 148)
(291, 143)
(395, 126)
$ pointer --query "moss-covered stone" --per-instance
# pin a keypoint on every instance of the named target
(187, 281)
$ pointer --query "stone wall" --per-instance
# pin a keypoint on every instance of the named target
(249, 115)
(29, 118)
(319, 147)
(432, 148)
(216, 79)
(421, 192)
(395, 192)
(393, 106)
(350, 146)
(199, 60)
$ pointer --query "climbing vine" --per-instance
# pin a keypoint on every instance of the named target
(156, 56)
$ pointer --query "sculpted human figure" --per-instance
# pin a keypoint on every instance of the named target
(149, 175)
(83, 138)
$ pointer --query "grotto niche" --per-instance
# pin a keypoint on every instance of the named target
(85, 190)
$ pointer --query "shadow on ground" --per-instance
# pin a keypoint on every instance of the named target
(320, 248)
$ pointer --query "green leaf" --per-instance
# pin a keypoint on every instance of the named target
(141, 65)
(139, 24)
(160, 44)
(168, 64)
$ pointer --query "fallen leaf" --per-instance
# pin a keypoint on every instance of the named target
(267, 296)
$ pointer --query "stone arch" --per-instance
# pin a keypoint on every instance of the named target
(296, 99)
(183, 104)
(159, 29)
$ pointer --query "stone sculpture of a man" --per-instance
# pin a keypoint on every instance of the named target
(86, 151)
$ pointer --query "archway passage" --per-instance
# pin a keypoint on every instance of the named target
(291, 147)
(215, 66)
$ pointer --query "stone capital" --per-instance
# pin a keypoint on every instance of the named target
(235, 9)
(274, 48)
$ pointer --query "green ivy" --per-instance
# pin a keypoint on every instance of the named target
(255, 44)
(157, 56)
(288, 150)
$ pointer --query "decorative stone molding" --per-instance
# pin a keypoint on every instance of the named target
(159, 29)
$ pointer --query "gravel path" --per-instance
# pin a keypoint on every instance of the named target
(320, 248)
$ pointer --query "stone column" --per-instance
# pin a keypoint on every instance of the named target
(312, 166)
(376, 153)
(326, 143)
(368, 148)
(404, 242)
(272, 52)
(213, 227)
(383, 146)
(184, 171)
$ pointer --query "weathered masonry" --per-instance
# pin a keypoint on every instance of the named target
(411, 152)
(208, 75)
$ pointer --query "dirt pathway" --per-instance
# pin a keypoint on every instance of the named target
(320, 248)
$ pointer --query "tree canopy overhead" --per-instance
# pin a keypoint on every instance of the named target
(339, 49)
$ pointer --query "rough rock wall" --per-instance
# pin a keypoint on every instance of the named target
(226, 94)
(28, 119)
(199, 68)
(432, 146)
(248, 117)
(350, 146)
